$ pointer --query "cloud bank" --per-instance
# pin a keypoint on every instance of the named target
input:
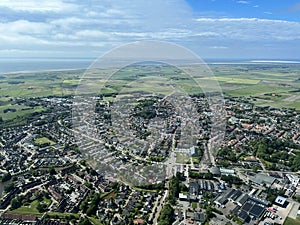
(65, 28)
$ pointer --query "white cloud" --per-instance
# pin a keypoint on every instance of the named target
(37, 6)
(251, 29)
(91, 26)
(219, 47)
(24, 27)
(243, 2)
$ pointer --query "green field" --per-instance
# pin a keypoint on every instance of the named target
(20, 111)
(95, 221)
(259, 81)
(290, 221)
(182, 157)
(43, 141)
(31, 209)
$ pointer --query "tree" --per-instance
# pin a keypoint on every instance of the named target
(9, 187)
(6, 177)
(16, 203)
(84, 221)
(173, 189)
(166, 215)
(232, 179)
(93, 206)
(41, 207)
(52, 171)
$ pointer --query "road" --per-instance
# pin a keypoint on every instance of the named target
(161, 204)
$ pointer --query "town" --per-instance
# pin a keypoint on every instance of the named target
(142, 166)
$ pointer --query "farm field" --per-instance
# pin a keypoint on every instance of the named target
(276, 85)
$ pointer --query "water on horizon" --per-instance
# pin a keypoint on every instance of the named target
(28, 65)
(12, 65)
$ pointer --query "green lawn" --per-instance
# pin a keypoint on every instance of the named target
(194, 205)
(234, 80)
(95, 221)
(21, 111)
(31, 209)
(290, 221)
(43, 140)
(28, 210)
(196, 160)
(182, 157)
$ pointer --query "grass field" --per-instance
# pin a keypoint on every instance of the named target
(182, 158)
(28, 210)
(20, 111)
(65, 216)
(43, 141)
(31, 209)
(255, 80)
(234, 80)
(290, 221)
(95, 221)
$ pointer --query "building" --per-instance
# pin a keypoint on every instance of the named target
(226, 171)
(281, 201)
(255, 211)
(215, 171)
(263, 179)
(294, 180)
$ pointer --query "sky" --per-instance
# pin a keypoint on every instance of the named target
(213, 29)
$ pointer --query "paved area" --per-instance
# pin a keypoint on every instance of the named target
(280, 216)
(294, 210)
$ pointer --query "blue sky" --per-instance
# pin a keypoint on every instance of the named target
(214, 29)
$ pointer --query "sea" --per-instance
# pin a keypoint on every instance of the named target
(16, 65)
(12, 65)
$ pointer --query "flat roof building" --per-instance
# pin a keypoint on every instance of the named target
(263, 179)
(280, 200)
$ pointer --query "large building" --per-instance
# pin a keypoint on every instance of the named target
(263, 179)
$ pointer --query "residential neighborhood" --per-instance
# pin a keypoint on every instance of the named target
(141, 166)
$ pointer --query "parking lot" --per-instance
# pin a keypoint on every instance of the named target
(277, 217)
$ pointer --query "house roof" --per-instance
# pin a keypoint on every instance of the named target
(280, 200)
(199, 217)
(138, 221)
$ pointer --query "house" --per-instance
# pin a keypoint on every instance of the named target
(138, 221)
(193, 151)
(199, 217)
(294, 180)
(194, 188)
